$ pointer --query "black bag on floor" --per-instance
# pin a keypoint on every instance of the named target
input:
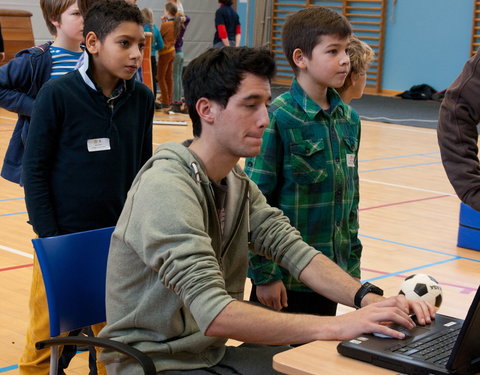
(418, 92)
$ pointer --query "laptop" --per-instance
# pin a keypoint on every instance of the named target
(447, 346)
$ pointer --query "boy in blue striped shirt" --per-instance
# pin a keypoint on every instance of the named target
(25, 74)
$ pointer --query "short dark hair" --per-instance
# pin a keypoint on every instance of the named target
(104, 16)
(226, 2)
(217, 73)
(305, 28)
(84, 6)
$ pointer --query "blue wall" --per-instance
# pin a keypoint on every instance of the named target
(427, 41)
(242, 9)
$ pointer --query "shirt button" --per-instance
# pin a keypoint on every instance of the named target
(250, 164)
(337, 160)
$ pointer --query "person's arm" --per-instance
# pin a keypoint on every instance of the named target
(223, 35)
(265, 170)
(245, 322)
(329, 280)
(254, 324)
(273, 237)
(458, 135)
(15, 81)
(37, 164)
(238, 35)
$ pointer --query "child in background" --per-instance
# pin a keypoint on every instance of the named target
(178, 4)
(361, 55)
(24, 75)
(170, 29)
(307, 164)
(91, 131)
(157, 43)
(228, 31)
(178, 64)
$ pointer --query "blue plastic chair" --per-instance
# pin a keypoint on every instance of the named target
(74, 272)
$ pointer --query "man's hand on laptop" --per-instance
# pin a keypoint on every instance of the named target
(372, 317)
(423, 310)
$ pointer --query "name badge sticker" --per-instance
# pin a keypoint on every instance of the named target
(351, 160)
(98, 144)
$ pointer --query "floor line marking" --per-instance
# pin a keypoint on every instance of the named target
(8, 368)
(463, 289)
(404, 202)
(18, 252)
(400, 157)
(417, 247)
(406, 187)
(400, 167)
(14, 213)
(407, 128)
(396, 120)
(413, 269)
(11, 199)
(16, 267)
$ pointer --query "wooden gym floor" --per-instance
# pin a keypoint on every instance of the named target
(408, 224)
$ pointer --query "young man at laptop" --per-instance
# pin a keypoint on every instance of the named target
(178, 258)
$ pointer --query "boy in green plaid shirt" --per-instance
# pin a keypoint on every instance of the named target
(308, 163)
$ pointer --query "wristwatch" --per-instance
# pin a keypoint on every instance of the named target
(365, 289)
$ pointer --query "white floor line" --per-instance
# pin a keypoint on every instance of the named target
(407, 187)
(407, 128)
(18, 252)
(396, 120)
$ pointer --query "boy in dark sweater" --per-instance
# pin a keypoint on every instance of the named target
(91, 132)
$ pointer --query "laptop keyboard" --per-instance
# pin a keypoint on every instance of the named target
(434, 348)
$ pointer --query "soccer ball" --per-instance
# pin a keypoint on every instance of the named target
(422, 287)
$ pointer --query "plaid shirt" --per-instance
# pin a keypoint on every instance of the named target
(308, 168)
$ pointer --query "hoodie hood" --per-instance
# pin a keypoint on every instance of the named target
(179, 152)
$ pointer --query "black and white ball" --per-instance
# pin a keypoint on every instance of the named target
(422, 287)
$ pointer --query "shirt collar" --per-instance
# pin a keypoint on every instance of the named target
(85, 72)
(311, 108)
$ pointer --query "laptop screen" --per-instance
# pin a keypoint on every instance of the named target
(466, 351)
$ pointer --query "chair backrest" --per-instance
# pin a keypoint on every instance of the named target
(74, 270)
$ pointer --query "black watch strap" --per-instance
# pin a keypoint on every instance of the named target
(363, 291)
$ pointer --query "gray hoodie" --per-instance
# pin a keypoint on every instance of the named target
(171, 271)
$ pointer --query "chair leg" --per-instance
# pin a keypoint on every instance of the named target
(54, 360)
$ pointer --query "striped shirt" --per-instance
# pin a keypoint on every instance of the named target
(308, 168)
(63, 61)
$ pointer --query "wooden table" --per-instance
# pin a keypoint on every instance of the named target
(322, 358)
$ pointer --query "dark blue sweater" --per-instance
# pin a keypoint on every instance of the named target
(69, 188)
(20, 81)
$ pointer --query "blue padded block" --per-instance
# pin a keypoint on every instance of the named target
(469, 228)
